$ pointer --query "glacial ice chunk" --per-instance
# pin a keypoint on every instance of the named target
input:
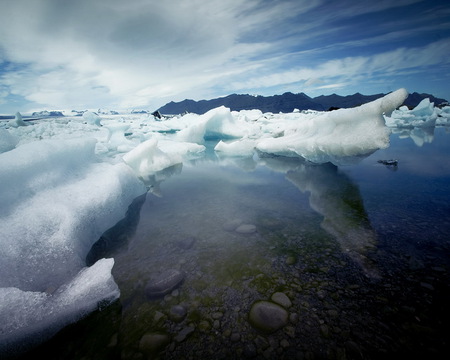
(56, 201)
(146, 159)
(444, 116)
(338, 135)
(29, 317)
(7, 141)
(423, 115)
(92, 118)
(116, 137)
(424, 108)
(217, 123)
(18, 121)
(244, 147)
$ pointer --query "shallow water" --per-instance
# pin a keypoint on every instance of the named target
(361, 251)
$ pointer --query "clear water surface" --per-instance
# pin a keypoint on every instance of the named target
(361, 251)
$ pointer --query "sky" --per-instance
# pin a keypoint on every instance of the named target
(140, 54)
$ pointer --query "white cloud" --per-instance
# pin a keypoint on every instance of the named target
(135, 50)
(332, 86)
(346, 69)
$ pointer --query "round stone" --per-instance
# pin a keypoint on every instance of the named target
(246, 229)
(177, 313)
(232, 224)
(291, 260)
(184, 333)
(268, 316)
(186, 243)
(281, 299)
(164, 283)
(153, 342)
(217, 315)
(204, 325)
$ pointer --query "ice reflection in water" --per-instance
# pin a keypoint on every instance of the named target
(420, 136)
(335, 197)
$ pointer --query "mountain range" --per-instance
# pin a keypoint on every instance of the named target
(286, 102)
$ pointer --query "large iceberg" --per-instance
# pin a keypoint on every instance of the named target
(338, 135)
(56, 201)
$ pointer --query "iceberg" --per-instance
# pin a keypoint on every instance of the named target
(146, 159)
(18, 121)
(444, 115)
(56, 201)
(244, 147)
(218, 123)
(339, 135)
(116, 137)
(423, 115)
(26, 314)
(7, 141)
(92, 118)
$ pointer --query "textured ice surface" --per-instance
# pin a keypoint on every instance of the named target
(56, 200)
(423, 115)
(27, 313)
(339, 134)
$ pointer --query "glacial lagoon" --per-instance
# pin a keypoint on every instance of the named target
(275, 257)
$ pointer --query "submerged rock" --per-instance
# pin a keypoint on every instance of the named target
(246, 229)
(153, 342)
(291, 260)
(186, 243)
(232, 224)
(183, 334)
(268, 316)
(281, 299)
(177, 313)
(164, 283)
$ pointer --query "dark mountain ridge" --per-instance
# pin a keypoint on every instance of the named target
(286, 102)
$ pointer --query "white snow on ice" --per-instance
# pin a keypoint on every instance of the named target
(64, 181)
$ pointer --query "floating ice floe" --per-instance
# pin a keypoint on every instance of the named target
(444, 116)
(92, 118)
(424, 115)
(147, 159)
(17, 121)
(338, 135)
